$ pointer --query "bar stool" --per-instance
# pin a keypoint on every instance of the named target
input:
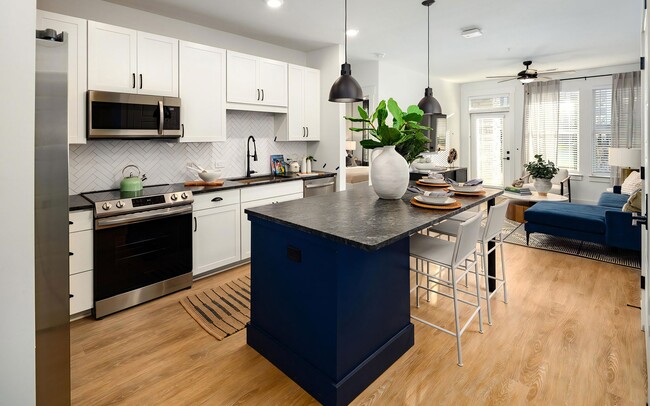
(492, 231)
(459, 255)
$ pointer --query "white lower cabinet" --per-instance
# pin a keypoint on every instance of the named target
(216, 241)
(81, 261)
(246, 224)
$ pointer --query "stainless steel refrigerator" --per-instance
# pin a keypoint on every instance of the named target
(51, 220)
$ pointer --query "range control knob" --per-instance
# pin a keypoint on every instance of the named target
(119, 204)
(106, 206)
(183, 195)
(174, 197)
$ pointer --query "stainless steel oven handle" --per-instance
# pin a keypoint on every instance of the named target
(116, 221)
(161, 116)
(319, 185)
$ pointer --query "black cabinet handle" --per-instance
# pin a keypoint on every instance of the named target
(307, 132)
(71, 222)
(196, 225)
(262, 94)
(134, 80)
(217, 199)
(71, 295)
(182, 130)
(506, 158)
(141, 81)
(258, 94)
(70, 253)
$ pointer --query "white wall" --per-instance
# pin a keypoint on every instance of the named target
(329, 150)
(115, 14)
(584, 187)
(17, 340)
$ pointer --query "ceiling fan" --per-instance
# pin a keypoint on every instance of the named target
(529, 74)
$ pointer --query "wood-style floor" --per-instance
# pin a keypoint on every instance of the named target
(566, 337)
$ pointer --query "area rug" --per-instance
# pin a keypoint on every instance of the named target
(517, 235)
(221, 311)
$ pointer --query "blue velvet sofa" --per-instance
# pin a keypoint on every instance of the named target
(602, 223)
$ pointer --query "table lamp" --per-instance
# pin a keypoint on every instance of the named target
(627, 159)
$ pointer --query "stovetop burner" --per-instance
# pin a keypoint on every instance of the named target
(113, 202)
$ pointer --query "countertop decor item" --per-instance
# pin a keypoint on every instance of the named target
(452, 157)
(346, 89)
(542, 171)
(401, 144)
(132, 183)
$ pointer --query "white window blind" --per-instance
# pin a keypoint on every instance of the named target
(489, 103)
(602, 131)
(568, 130)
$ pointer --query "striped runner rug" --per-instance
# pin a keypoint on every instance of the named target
(221, 311)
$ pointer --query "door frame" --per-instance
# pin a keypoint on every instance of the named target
(508, 143)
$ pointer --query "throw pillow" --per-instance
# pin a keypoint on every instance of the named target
(632, 183)
(633, 204)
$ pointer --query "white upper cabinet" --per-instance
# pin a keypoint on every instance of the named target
(77, 68)
(303, 114)
(203, 93)
(129, 61)
(256, 81)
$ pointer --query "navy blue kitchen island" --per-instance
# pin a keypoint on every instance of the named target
(330, 287)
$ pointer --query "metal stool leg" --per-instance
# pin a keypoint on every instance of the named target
(456, 319)
(484, 250)
(503, 271)
(478, 295)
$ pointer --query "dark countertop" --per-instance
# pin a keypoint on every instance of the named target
(359, 218)
(77, 202)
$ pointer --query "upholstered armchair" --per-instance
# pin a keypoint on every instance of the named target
(561, 183)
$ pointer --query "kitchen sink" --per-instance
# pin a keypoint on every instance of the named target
(253, 179)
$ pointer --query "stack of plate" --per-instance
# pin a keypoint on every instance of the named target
(433, 181)
(436, 201)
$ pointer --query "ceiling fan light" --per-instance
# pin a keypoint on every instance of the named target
(346, 89)
(428, 104)
(526, 80)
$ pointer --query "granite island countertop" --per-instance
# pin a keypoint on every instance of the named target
(359, 218)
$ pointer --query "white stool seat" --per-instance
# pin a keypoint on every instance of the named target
(463, 216)
(432, 249)
(451, 228)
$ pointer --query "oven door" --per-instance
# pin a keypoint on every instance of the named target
(141, 256)
(123, 115)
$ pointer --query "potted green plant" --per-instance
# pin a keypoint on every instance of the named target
(542, 172)
(401, 143)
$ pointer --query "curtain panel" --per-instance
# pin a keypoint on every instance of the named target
(626, 115)
(541, 120)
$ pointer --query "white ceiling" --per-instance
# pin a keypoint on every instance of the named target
(563, 34)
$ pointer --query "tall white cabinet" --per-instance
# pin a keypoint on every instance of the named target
(303, 114)
(129, 61)
(256, 81)
(202, 88)
(77, 68)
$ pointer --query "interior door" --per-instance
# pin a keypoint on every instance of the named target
(491, 159)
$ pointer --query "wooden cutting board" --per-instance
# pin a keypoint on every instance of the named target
(455, 205)
(202, 183)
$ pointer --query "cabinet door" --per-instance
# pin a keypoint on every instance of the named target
(203, 92)
(272, 80)
(216, 240)
(157, 65)
(296, 128)
(77, 69)
(312, 104)
(246, 224)
(242, 79)
(112, 61)
(81, 291)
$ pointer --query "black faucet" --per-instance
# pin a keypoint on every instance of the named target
(248, 155)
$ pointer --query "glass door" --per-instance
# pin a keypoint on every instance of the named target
(489, 156)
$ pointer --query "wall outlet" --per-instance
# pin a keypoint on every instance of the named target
(219, 164)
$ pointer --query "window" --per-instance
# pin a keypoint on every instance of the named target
(602, 131)
(489, 103)
(568, 130)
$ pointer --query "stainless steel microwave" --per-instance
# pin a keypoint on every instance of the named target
(132, 116)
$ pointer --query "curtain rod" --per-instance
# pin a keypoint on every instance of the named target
(587, 77)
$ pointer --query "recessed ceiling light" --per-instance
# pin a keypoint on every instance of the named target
(274, 3)
(471, 33)
(352, 32)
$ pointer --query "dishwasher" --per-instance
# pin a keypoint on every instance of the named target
(320, 186)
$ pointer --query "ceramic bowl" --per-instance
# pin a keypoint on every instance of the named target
(210, 175)
(462, 188)
(433, 181)
(439, 201)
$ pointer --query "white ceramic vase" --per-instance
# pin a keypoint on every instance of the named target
(542, 186)
(389, 174)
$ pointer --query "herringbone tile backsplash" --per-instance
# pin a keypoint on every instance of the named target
(98, 165)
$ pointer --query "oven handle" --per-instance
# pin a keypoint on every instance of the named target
(161, 116)
(117, 221)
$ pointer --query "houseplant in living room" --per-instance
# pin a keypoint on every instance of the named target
(400, 145)
(542, 171)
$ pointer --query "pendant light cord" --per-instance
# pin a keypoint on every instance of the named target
(346, 31)
(428, 45)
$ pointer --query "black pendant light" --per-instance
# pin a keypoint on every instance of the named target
(429, 104)
(346, 89)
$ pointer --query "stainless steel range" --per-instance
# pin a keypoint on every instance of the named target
(142, 245)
